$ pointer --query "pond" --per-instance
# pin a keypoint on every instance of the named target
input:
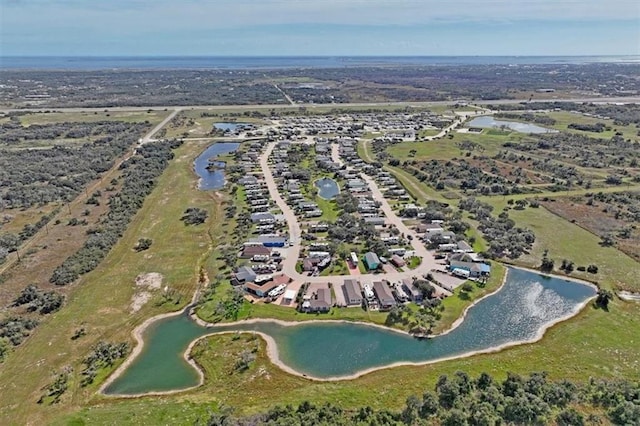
(232, 126)
(327, 188)
(211, 172)
(519, 312)
(485, 122)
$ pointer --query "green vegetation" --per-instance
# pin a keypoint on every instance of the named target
(103, 355)
(239, 374)
(44, 302)
(101, 304)
(148, 163)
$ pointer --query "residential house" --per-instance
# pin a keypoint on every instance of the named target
(371, 261)
(375, 220)
(249, 251)
(352, 292)
(262, 218)
(383, 293)
(412, 291)
(469, 269)
(397, 261)
(319, 301)
(243, 275)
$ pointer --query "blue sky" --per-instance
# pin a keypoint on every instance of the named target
(319, 27)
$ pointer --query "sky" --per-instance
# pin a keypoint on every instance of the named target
(318, 27)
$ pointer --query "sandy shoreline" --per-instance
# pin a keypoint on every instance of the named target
(274, 356)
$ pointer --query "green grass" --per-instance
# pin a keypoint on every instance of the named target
(338, 267)
(565, 240)
(564, 118)
(445, 149)
(414, 262)
(329, 209)
(101, 299)
(577, 349)
(270, 310)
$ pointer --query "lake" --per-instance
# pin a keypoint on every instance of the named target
(327, 188)
(487, 122)
(212, 179)
(525, 305)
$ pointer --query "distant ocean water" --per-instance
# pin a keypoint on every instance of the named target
(213, 62)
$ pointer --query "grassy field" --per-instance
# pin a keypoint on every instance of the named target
(101, 300)
(564, 118)
(565, 240)
(446, 148)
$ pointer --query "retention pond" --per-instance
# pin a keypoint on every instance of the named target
(519, 312)
(327, 188)
(210, 171)
(487, 122)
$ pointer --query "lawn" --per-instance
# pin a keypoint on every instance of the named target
(564, 118)
(329, 209)
(101, 300)
(446, 148)
(414, 262)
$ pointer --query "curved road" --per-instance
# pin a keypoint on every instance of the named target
(295, 232)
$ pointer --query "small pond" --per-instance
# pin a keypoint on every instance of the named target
(231, 126)
(211, 172)
(327, 188)
(485, 122)
(524, 306)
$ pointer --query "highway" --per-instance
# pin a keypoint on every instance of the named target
(630, 99)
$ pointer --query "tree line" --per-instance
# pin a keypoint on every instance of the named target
(460, 400)
(139, 174)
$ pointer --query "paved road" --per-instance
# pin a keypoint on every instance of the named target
(289, 264)
(630, 99)
(463, 116)
(295, 233)
(148, 137)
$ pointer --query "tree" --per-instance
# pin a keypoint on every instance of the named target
(194, 216)
(467, 287)
(447, 392)
(143, 244)
(455, 417)
(4, 348)
(547, 263)
(603, 299)
(429, 405)
(607, 241)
